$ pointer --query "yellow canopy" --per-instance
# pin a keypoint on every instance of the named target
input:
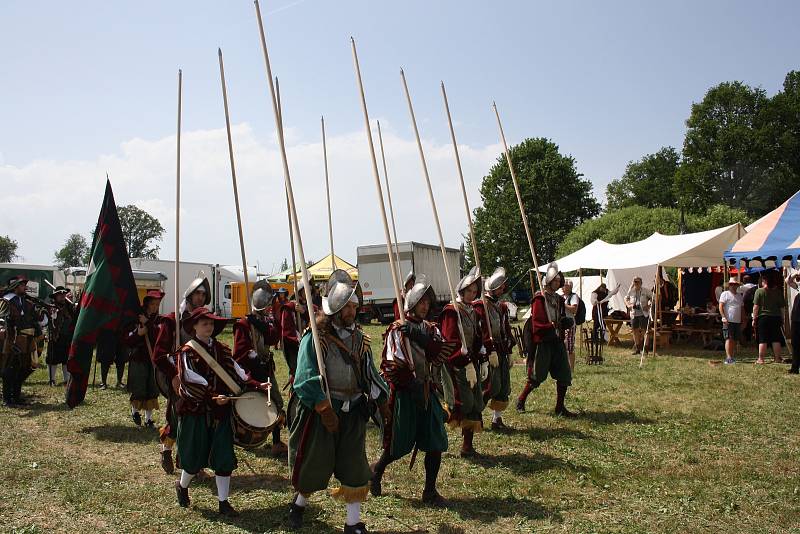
(321, 271)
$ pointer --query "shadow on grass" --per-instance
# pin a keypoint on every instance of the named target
(37, 408)
(526, 464)
(265, 519)
(615, 418)
(247, 482)
(122, 433)
(545, 434)
(488, 509)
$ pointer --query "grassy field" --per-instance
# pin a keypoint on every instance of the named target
(678, 446)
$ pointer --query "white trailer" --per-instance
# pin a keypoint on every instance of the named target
(375, 276)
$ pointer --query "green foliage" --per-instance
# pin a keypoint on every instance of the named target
(74, 253)
(8, 249)
(635, 223)
(141, 230)
(556, 198)
(647, 182)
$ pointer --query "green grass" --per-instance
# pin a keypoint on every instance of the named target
(678, 446)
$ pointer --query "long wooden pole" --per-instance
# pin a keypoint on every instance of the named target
(521, 207)
(289, 219)
(293, 209)
(466, 208)
(391, 208)
(233, 179)
(433, 208)
(178, 219)
(328, 192)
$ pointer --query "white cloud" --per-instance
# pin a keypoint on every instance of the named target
(45, 201)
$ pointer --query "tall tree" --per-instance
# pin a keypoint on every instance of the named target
(782, 140)
(142, 232)
(74, 253)
(8, 249)
(723, 151)
(647, 182)
(556, 197)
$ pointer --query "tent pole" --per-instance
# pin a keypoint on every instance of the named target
(657, 309)
(580, 296)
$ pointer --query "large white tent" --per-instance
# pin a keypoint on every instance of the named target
(641, 258)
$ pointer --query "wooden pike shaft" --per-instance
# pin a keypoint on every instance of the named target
(293, 210)
(375, 174)
(466, 207)
(328, 191)
(391, 209)
(521, 207)
(433, 207)
(289, 214)
(233, 179)
(178, 219)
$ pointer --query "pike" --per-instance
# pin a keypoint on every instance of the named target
(178, 218)
(292, 208)
(289, 220)
(466, 207)
(435, 211)
(391, 209)
(521, 208)
(233, 179)
(46, 281)
(328, 192)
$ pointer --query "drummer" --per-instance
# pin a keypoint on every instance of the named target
(257, 358)
(205, 435)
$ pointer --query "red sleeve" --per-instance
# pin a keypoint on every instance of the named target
(539, 319)
(273, 332)
(451, 334)
(288, 325)
(242, 340)
(164, 346)
(396, 309)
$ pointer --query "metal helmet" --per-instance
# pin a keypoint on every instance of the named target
(411, 276)
(198, 283)
(299, 286)
(552, 273)
(263, 295)
(415, 294)
(339, 294)
(497, 279)
(474, 275)
(339, 275)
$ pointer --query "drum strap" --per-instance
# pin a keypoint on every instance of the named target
(215, 366)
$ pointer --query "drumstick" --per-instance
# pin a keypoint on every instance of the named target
(269, 391)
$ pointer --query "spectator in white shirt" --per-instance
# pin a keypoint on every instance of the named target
(571, 301)
(731, 303)
(638, 301)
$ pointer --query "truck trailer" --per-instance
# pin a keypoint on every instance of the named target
(376, 279)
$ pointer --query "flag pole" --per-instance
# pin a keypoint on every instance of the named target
(521, 207)
(178, 218)
(466, 207)
(293, 209)
(233, 179)
(434, 210)
(328, 192)
(391, 208)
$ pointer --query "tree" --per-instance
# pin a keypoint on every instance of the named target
(284, 264)
(75, 252)
(635, 223)
(648, 182)
(782, 140)
(724, 154)
(556, 199)
(8, 249)
(142, 231)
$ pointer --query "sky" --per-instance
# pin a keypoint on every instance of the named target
(90, 88)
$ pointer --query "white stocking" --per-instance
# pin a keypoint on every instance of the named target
(223, 487)
(186, 479)
(301, 501)
(148, 415)
(496, 414)
(353, 513)
(64, 372)
(52, 369)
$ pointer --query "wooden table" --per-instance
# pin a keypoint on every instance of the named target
(613, 326)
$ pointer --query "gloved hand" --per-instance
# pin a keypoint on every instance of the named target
(416, 332)
(494, 361)
(472, 376)
(328, 417)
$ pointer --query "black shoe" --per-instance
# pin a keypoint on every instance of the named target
(794, 371)
(432, 498)
(296, 515)
(375, 484)
(500, 426)
(182, 494)
(9, 403)
(120, 385)
(166, 462)
(51, 383)
(103, 385)
(358, 528)
(563, 412)
(520, 406)
(150, 424)
(226, 509)
(137, 418)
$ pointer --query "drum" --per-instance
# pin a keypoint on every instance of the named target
(253, 419)
(163, 384)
